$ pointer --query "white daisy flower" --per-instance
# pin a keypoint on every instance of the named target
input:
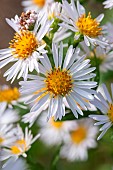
(105, 104)
(20, 146)
(8, 116)
(26, 21)
(25, 50)
(67, 80)
(35, 5)
(104, 57)
(108, 4)
(58, 129)
(7, 135)
(10, 97)
(82, 137)
(76, 20)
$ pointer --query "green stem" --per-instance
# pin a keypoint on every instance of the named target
(76, 42)
(47, 40)
(56, 158)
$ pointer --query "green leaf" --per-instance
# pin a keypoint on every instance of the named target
(70, 116)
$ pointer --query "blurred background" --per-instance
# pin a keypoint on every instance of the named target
(9, 8)
(100, 158)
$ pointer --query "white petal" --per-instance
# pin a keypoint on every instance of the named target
(12, 24)
(100, 17)
(106, 126)
(107, 93)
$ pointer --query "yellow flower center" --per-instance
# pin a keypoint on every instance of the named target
(88, 26)
(24, 44)
(59, 82)
(57, 125)
(19, 147)
(15, 150)
(110, 112)
(78, 135)
(8, 95)
(1, 140)
(40, 3)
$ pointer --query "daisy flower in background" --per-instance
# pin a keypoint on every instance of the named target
(52, 11)
(35, 4)
(105, 104)
(82, 137)
(67, 80)
(26, 21)
(7, 135)
(26, 48)
(8, 116)
(104, 57)
(58, 129)
(108, 31)
(83, 25)
(108, 4)
(10, 97)
(19, 147)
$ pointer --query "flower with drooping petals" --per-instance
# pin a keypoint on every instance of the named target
(83, 25)
(26, 48)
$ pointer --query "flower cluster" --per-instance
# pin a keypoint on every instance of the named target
(74, 136)
(59, 51)
(12, 139)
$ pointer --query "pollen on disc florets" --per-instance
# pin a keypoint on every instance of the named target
(59, 82)
(40, 3)
(110, 112)
(23, 44)
(88, 26)
(9, 95)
